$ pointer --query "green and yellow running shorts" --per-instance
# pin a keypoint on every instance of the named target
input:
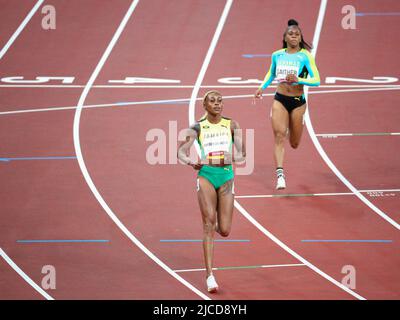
(217, 175)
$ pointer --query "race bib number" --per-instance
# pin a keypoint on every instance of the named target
(219, 155)
(283, 71)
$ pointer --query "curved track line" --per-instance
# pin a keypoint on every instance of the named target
(293, 253)
(192, 107)
(270, 235)
(86, 174)
(207, 60)
(2, 53)
(17, 269)
(322, 152)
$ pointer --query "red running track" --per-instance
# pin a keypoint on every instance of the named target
(51, 200)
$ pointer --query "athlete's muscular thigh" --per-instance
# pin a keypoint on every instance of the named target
(279, 118)
(226, 199)
(296, 125)
(207, 197)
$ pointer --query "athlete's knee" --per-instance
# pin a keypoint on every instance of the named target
(294, 144)
(224, 232)
(279, 137)
(209, 226)
(224, 229)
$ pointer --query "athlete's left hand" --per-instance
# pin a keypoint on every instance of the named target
(228, 158)
(291, 78)
(196, 166)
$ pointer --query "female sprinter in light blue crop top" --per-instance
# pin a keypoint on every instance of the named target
(293, 67)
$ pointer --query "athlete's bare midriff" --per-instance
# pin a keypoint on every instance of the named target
(289, 90)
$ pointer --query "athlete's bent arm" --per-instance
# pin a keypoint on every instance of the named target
(184, 148)
(239, 146)
(313, 80)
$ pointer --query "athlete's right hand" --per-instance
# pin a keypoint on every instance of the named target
(258, 94)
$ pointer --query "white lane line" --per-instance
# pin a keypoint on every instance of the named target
(245, 267)
(192, 107)
(258, 196)
(105, 105)
(365, 134)
(353, 90)
(322, 152)
(314, 194)
(85, 171)
(72, 86)
(119, 104)
(20, 28)
(318, 28)
(293, 253)
(2, 53)
(206, 62)
(24, 276)
(54, 86)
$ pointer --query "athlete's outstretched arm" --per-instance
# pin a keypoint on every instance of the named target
(184, 147)
(269, 77)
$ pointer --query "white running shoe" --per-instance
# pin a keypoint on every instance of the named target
(212, 285)
(281, 183)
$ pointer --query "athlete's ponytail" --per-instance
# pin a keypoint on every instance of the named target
(303, 44)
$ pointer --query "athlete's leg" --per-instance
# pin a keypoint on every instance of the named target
(225, 208)
(296, 125)
(280, 124)
(207, 197)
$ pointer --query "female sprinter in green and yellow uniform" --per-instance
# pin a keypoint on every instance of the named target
(290, 66)
(221, 144)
